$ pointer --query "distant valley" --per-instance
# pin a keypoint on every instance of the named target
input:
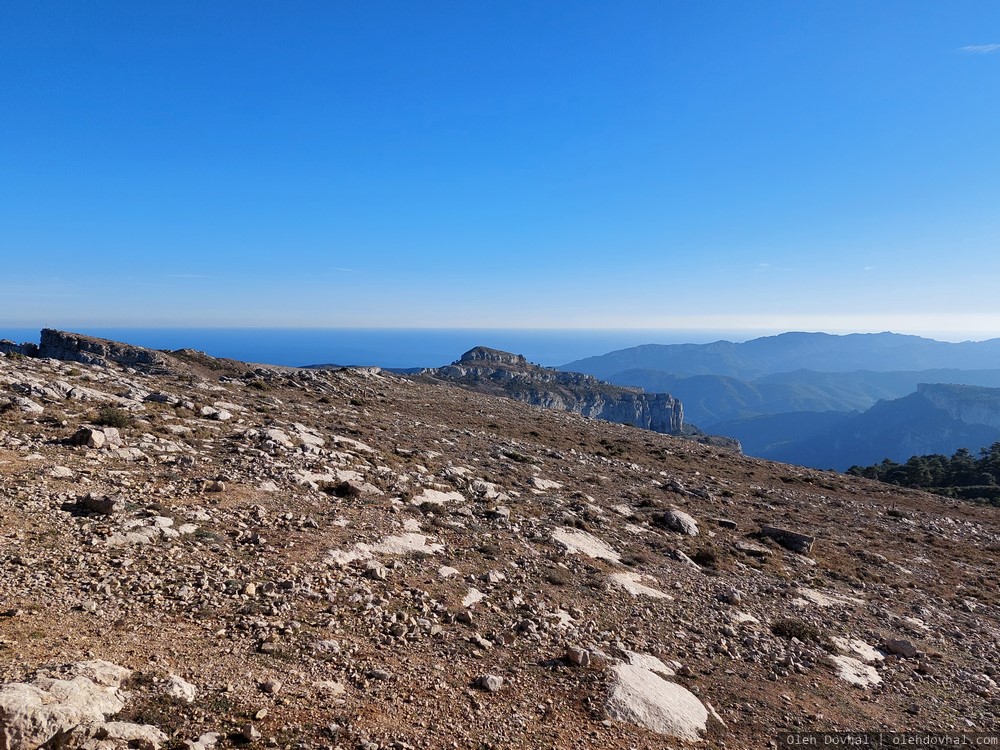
(839, 401)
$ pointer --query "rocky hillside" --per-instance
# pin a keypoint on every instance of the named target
(511, 375)
(201, 553)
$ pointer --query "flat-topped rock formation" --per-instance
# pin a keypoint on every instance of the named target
(75, 347)
(511, 375)
(228, 555)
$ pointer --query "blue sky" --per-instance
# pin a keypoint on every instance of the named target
(721, 165)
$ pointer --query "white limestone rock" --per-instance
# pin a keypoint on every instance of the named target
(122, 735)
(633, 584)
(32, 715)
(179, 688)
(437, 497)
(27, 406)
(854, 671)
(642, 697)
(679, 521)
(580, 542)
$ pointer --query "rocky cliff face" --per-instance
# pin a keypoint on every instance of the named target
(511, 375)
(967, 403)
(89, 350)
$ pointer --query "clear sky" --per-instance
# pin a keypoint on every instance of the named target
(726, 165)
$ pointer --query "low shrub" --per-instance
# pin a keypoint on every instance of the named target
(111, 416)
(792, 627)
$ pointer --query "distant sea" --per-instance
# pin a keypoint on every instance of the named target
(386, 347)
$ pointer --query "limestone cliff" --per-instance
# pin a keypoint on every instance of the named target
(967, 403)
(511, 375)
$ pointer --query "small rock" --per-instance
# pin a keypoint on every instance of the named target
(271, 687)
(579, 657)
(901, 648)
(249, 733)
(181, 689)
(491, 683)
(102, 504)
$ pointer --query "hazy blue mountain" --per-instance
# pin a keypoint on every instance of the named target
(788, 352)
(936, 419)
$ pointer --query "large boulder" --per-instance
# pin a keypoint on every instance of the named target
(792, 540)
(94, 437)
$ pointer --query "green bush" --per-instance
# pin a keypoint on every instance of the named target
(110, 416)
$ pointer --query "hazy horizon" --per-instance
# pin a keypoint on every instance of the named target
(389, 347)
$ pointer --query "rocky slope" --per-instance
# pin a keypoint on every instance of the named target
(303, 559)
(501, 373)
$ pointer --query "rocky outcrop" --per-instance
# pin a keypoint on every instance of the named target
(494, 357)
(511, 375)
(73, 347)
(89, 350)
(72, 713)
(26, 349)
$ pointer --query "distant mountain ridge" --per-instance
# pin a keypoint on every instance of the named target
(824, 352)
